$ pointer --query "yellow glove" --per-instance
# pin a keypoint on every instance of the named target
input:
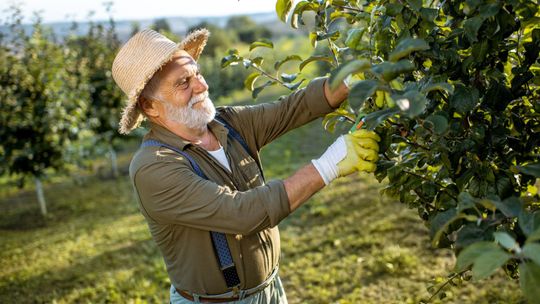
(357, 151)
(362, 152)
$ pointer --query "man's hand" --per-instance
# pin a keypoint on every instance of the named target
(350, 153)
(357, 151)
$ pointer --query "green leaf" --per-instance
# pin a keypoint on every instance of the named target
(429, 14)
(439, 86)
(361, 91)
(278, 64)
(504, 188)
(440, 123)
(489, 9)
(532, 251)
(261, 43)
(480, 50)
(293, 86)
(351, 67)
(288, 78)
(314, 58)
(488, 262)
(506, 241)
(233, 57)
(535, 236)
(412, 103)
(439, 224)
(393, 9)
(342, 113)
(469, 234)
(468, 255)
(464, 99)
(258, 90)
(233, 52)
(299, 9)
(282, 9)
(471, 27)
(354, 37)
(406, 47)
(250, 80)
(528, 221)
(510, 207)
(313, 37)
(257, 61)
(374, 119)
(465, 201)
(416, 5)
(331, 119)
(531, 169)
(529, 280)
(390, 70)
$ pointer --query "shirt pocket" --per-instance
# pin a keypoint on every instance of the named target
(249, 170)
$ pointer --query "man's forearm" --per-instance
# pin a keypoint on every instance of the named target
(336, 97)
(302, 185)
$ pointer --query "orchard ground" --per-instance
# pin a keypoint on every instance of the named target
(347, 245)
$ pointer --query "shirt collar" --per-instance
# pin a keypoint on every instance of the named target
(164, 135)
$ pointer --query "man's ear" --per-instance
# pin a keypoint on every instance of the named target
(148, 106)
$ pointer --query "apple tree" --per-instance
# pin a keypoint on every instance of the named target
(453, 88)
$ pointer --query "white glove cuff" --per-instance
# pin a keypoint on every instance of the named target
(326, 165)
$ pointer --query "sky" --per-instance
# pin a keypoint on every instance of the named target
(69, 10)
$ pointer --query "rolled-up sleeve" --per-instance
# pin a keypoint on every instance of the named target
(265, 122)
(171, 193)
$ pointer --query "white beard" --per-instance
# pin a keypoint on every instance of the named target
(190, 117)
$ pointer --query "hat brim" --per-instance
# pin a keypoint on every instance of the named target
(193, 44)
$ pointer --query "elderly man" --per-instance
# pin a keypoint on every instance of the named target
(197, 175)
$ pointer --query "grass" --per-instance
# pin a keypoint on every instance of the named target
(346, 245)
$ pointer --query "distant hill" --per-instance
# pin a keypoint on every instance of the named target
(179, 25)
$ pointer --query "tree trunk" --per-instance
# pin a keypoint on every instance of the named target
(40, 196)
(114, 163)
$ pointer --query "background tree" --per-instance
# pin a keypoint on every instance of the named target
(247, 29)
(453, 87)
(96, 51)
(161, 25)
(135, 28)
(42, 104)
(219, 41)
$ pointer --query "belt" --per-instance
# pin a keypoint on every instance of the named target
(233, 295)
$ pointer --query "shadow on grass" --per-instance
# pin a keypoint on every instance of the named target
(58, 283)
(66, 201)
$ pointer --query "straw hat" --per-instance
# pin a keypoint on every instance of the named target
(140, 58)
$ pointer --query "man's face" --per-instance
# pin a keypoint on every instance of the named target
(183, 93)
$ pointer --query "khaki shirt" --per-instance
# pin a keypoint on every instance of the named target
(181, 208)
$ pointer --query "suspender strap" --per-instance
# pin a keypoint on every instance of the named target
(192, 162)
(234, 134)
(219, 240)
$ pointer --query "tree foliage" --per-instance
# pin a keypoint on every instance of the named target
(220, 39)
(247, 29)
(42, 103)
(453, 88)
(59, 101)
(161, 25)
(95, 53)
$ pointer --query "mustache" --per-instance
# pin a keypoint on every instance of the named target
(198, 98)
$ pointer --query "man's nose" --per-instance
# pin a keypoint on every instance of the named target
(199, 84)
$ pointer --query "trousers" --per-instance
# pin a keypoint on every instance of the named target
(272, 294)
